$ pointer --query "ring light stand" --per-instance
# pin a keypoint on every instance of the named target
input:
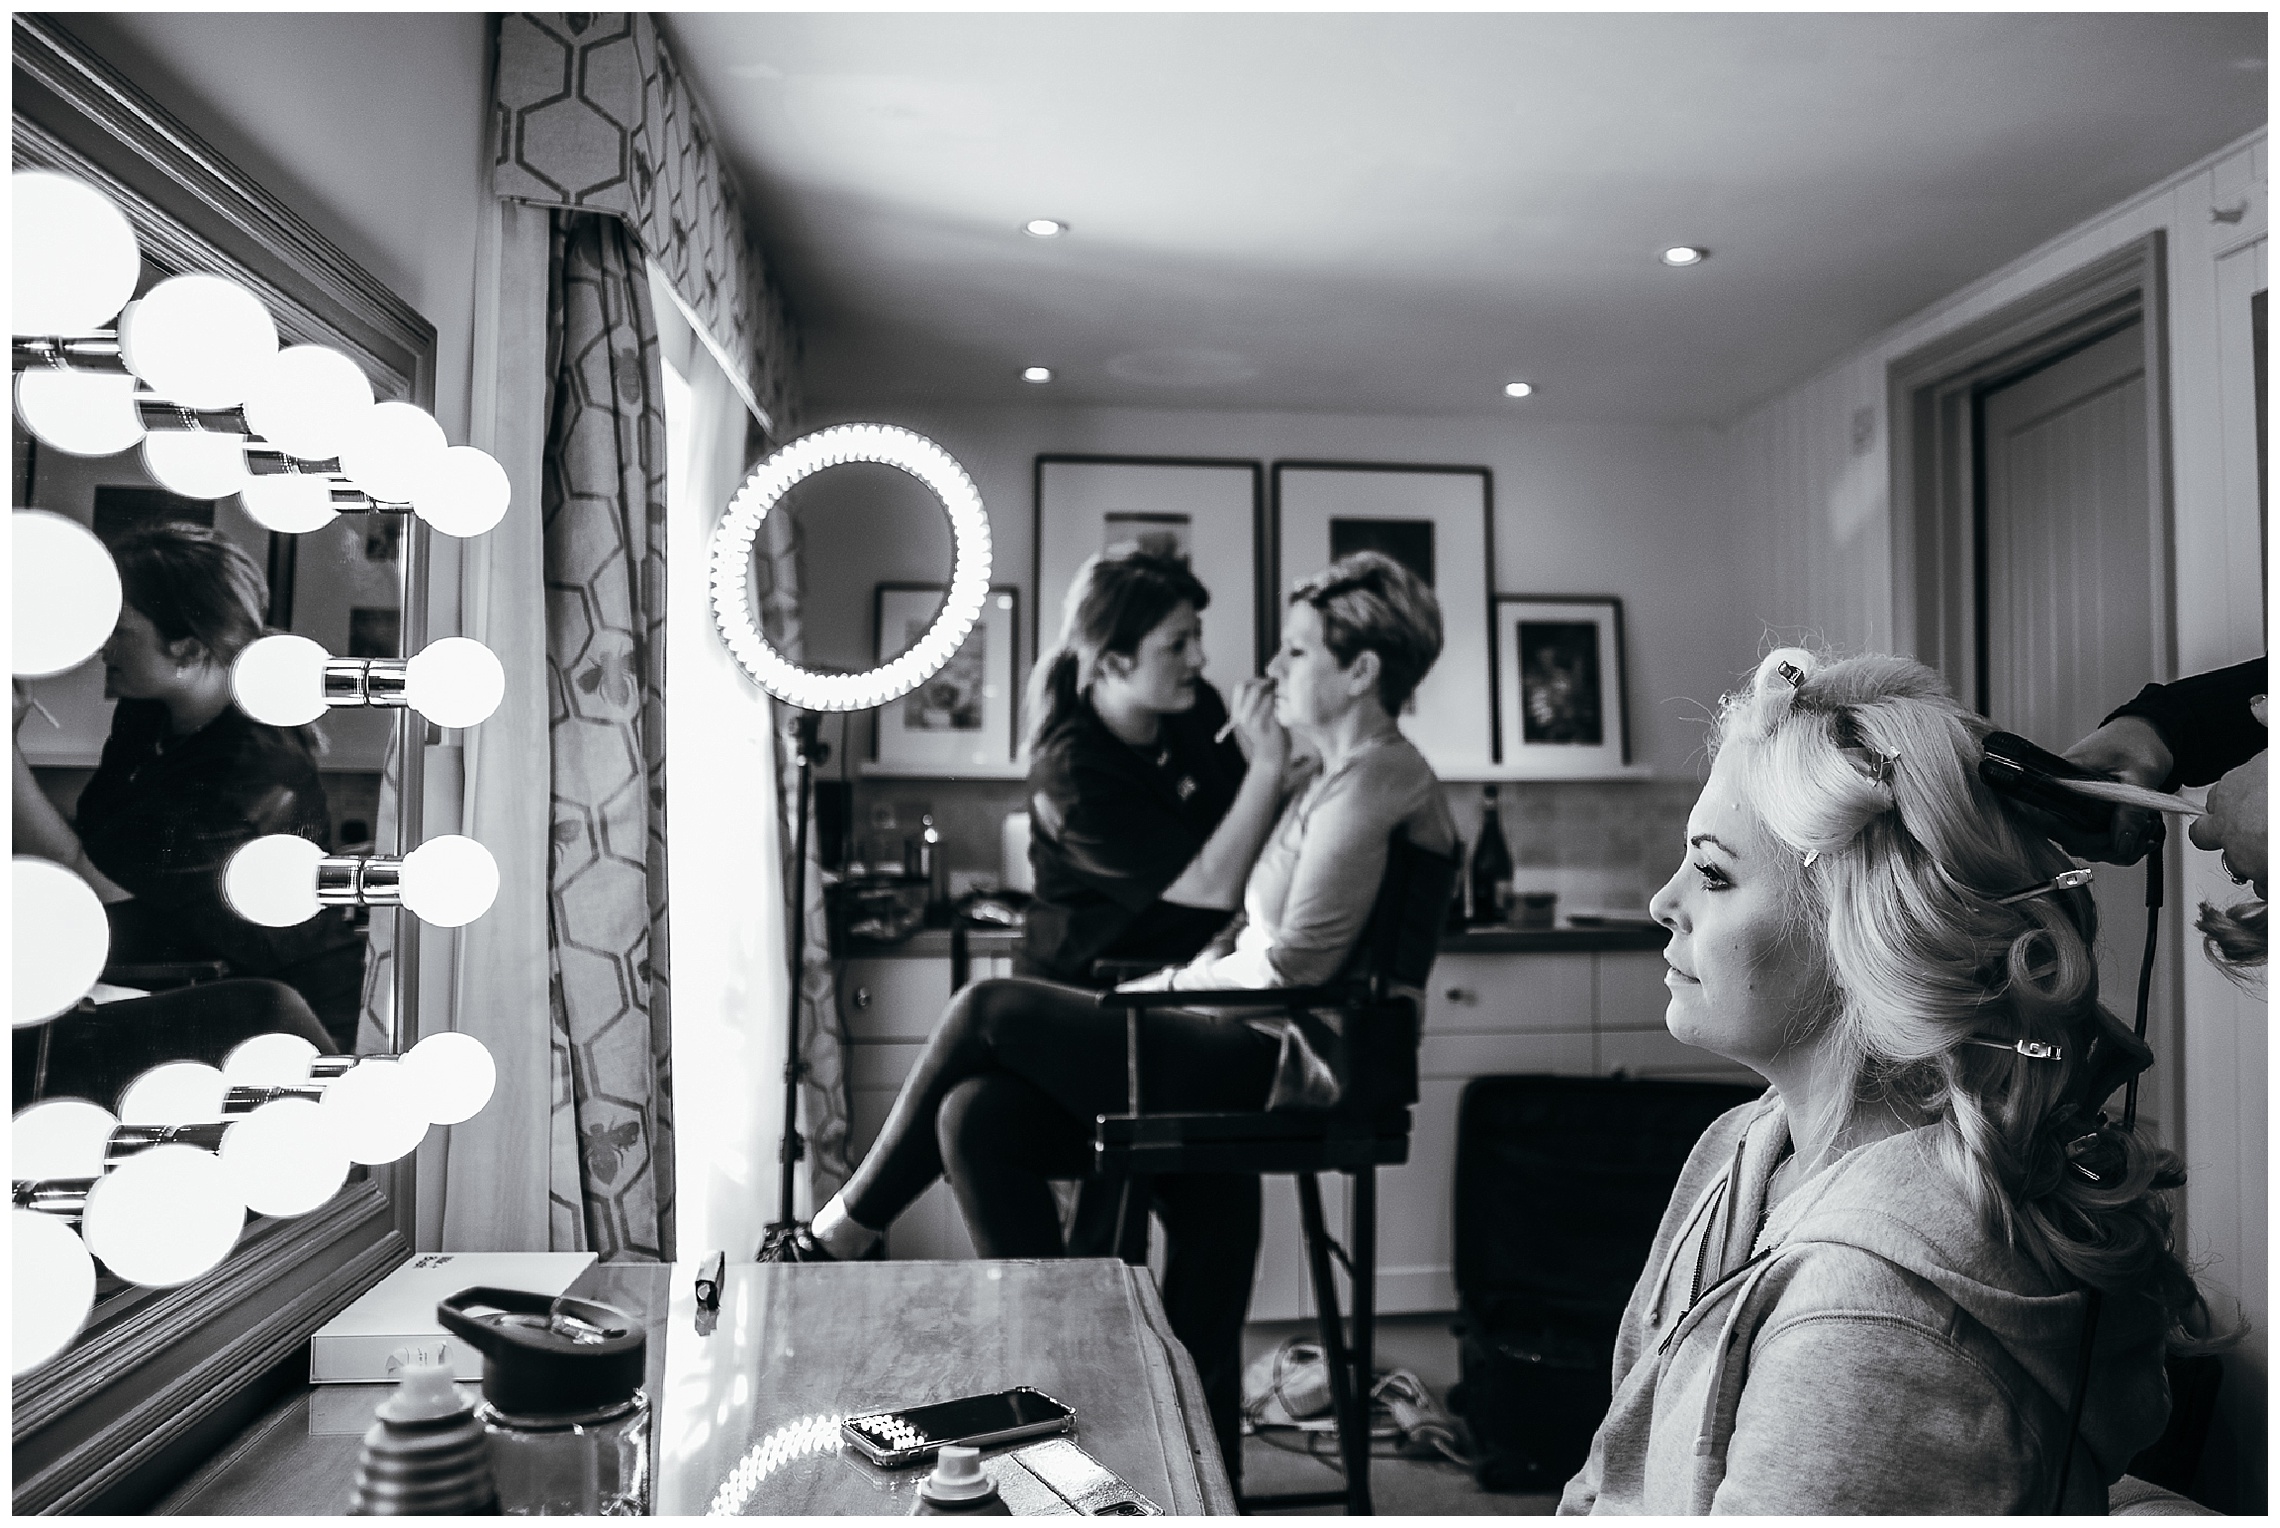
(811, 692)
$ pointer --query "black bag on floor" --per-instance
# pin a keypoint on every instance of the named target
(1561, 1182)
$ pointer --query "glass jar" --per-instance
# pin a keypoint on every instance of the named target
(590, 1464)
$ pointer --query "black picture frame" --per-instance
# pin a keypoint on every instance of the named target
(1066, 525)
(1310, 499)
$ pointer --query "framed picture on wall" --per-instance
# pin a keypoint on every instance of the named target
(1563, 707)
(963, 717)
(1211, 510)
(1436, 522)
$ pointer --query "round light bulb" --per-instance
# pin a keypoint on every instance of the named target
(456, 682)
(1037, 374)
(450, 880)
(59, 1138)
(66, 593)
(269, 1061)
(1044, 228)
(272, 881)
(197, 464)
(455, 1074)
(286, 1157)
(76, 261)
(307, 401)
(290, 503)
(174, 1093)
(163, 1216)
(281, 680)
(375, 1107)
(390, 449)
(463, 492)
(198, 340)
(62, 940)
(51, 1286)
(1519, 389)
(1685, 254)
(80, 413)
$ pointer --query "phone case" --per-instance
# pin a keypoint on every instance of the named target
(886, 1438)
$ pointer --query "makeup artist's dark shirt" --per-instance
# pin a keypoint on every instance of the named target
(1110, 826)
(163, 815)
(2205, 720)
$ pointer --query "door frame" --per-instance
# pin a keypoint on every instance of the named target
(1932, 397)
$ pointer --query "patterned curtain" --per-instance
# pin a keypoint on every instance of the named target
(604, 512)
(591, 112)
(824, 1091)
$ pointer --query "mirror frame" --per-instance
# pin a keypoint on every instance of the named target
(158, 1379)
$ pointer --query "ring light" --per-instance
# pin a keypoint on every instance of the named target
(732, 566)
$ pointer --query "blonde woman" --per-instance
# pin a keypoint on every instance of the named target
(1921, 1274)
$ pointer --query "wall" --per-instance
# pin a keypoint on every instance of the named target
(1639, 512)
(1811, 473)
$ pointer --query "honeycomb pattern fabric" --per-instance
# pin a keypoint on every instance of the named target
(603, 503)
(590, 111)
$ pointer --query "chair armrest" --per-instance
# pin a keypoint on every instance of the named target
(157, 975)
(1226, 997)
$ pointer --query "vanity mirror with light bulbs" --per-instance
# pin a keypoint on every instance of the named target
(158, 1374)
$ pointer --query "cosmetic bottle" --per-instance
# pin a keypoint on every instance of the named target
(426, 1454)
(959, 1486)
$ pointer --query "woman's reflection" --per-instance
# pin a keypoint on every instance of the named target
(186, 778)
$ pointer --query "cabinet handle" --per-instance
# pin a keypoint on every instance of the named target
(1462, 995)
(861, 998)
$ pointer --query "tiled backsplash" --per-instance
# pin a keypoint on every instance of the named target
(1603, 845)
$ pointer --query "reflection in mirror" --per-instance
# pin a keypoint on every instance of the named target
(138, 765)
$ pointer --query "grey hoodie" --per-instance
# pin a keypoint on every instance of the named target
(1872, 1349)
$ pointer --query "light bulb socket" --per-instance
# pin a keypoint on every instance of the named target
(164, 414)
(360, 880)
(240, 1099)
(133, 1140)
(348, 499)
(65, 1198)
(264, 460)
(364, 681)
(68, 352)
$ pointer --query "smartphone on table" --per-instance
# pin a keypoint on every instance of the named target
(911, 1434)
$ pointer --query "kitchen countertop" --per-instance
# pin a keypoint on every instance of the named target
(934, 943)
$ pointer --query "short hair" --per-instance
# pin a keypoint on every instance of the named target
(1370, 603)
(192, 581)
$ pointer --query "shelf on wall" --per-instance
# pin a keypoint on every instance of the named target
(1504, 775)
(873, 770)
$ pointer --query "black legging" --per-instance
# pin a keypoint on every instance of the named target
(1002, 1101)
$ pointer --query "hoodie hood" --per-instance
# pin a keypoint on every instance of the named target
(1896, 1199)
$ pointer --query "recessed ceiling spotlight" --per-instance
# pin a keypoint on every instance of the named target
(1044, 228)
(1518, 389)
(1036, 373)
(1685, 254)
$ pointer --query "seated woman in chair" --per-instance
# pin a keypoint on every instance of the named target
(1357, 640)
(1877, 1288)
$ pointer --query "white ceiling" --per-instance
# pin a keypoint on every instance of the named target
(1399, 213)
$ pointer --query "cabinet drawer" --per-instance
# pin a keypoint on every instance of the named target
(1631, 990)
(881, 1064)
(893, 999)
(1472, 1055)
(1654, 1053)
(1475, 993)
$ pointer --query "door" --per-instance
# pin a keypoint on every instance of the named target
(2069, 622)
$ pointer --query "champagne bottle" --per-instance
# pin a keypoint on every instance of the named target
(1491, 866)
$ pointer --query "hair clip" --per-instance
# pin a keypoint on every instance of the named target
(2095, 1156)
(1792, 673)
(2065, 880)
(2033, 1050)
(1810, 856)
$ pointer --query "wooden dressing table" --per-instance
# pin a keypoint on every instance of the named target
(744, 1414)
